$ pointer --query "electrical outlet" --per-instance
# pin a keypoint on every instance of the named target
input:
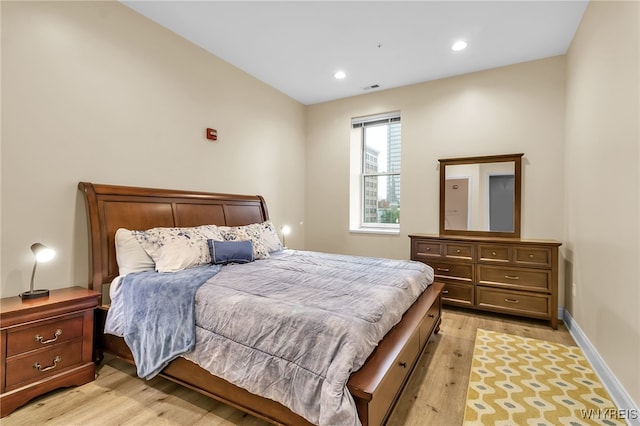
(573, 289)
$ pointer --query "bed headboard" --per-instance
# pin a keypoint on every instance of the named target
(110, 207)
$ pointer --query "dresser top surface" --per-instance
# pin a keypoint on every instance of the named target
(496, 240)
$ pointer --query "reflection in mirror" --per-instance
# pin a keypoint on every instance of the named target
(480, 195)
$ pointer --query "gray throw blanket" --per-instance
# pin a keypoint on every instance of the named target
(160, 318)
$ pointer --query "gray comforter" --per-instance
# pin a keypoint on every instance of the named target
(293, 327)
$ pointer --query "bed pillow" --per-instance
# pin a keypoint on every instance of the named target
(247, 233)
(269, 236)
(223, 252)
(175, 249)
(130, 255)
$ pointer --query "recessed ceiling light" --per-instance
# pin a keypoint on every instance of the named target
(339, 75)
(458, 45)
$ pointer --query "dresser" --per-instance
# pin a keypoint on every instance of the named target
(45, 343)
(511, 276)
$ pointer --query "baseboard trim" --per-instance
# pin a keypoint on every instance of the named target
(617, 392)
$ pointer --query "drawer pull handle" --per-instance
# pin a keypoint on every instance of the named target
(38, 367)
(428, 248)
(493, 253)
(432, 315)
(445, 291)
(458, 251)
(38, 338)
(443, 269)
(403, 364)
(512, 277)
(511, 300)
(531, 256)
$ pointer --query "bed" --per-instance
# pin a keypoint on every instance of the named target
(374, 387)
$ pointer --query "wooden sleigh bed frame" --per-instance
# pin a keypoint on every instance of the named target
(375, 387)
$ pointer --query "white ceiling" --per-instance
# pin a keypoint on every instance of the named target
(297, 46)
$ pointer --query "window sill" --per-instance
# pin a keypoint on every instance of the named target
(383, 231)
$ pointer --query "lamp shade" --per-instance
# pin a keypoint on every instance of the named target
(41, 253)
(286, 230)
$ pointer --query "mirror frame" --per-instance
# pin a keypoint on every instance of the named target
(517, 159)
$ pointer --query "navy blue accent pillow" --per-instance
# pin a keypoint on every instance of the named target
(223, 252)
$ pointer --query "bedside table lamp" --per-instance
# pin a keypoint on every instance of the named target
(286, 230)
(42, 253)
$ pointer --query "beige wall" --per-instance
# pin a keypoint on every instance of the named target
(514, 109)
(93, 91)
(603, 181)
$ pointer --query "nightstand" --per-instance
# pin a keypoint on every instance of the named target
(45, 344)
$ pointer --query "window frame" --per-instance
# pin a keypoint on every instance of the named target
(357, 218)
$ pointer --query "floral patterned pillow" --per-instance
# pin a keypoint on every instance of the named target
(251, 233)
(175, 249)
(269, 236)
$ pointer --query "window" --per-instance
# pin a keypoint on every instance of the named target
(375, 173)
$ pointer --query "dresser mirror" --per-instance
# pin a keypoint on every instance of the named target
(480, 196)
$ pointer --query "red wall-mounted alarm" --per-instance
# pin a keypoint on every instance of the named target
(212, 134)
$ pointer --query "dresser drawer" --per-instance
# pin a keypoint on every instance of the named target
(532, 256)
(514, 278)
(427, 249)
(42, 363)
(513, 302)
(459, 251)
(493, 253)
(462, 272)
(458, 294)
(44, 334)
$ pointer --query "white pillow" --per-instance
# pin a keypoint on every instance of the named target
(175, 249)
(130, 255)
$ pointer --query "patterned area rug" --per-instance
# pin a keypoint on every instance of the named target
(520, 381)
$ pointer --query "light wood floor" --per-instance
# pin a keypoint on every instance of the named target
(435, 393)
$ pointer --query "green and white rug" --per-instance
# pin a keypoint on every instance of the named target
(521, 381)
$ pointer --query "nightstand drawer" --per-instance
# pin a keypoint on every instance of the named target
(42, 363)
(515, 278)
(44, 334)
